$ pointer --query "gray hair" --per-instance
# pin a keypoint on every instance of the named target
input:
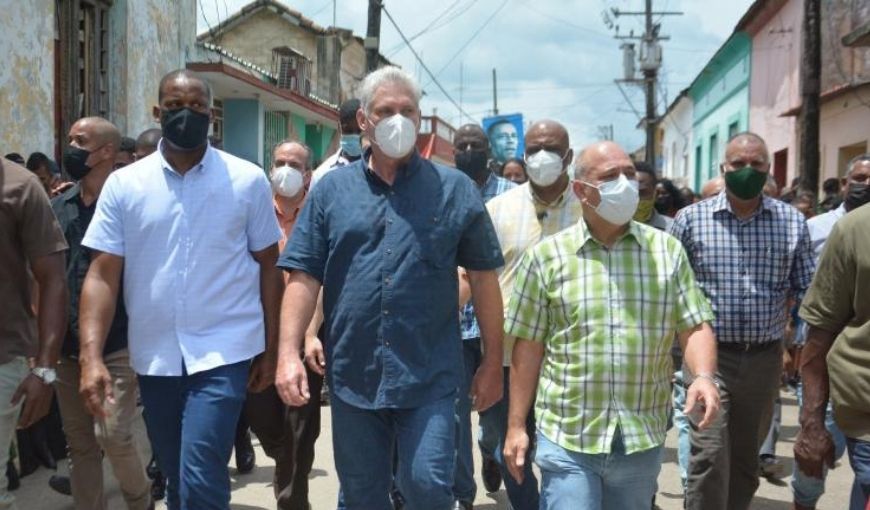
(388, 74)
(854, 162)
(579, 167)
(309, 153)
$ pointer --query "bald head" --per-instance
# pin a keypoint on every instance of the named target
(549, 130)
(713, 187)
(147, 142)
(100, 138)
(182, 78)
(292, 153)
(100, 132)
(747, 149)
(470, 137)
(597, 162)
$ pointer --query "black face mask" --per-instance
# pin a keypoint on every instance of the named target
(75, 162)
(859, 194)
(664, 203)
(472, 163)
(185, 128)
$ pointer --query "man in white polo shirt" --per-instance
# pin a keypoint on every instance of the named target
(192, 230)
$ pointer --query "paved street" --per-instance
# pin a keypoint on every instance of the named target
(254, 491)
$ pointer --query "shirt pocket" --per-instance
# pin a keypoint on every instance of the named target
(437, 243)
(774, 266)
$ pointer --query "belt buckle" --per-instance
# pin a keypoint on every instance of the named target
(746, 347)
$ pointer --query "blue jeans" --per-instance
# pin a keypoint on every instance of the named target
(493, 429)
(859, 458)
(424, 439)
(807, 490)
(464, 488)
(191, 423)
(580, 481)
(684, 444)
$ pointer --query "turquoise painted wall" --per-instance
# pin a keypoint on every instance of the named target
(243, 128)
(720, 95)
(318, 138)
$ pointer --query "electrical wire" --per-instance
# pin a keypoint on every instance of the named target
(431, 26)
(420, 60)
(471, 39)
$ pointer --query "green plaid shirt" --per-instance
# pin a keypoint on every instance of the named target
(607, 319)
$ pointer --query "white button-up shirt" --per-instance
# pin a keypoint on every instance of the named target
(191, 284)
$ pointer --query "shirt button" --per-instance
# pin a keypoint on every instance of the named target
(386, 312)
(389, 251)
(387, 343)
(390, 221)
(388, 280)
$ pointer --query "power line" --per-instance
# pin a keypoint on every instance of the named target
(565, 22)
(420, 60)
(395, 49)
(472, 38)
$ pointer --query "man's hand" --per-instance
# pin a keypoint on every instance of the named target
(516, 445)
(262, 373)
(703, 392)
(37, 400)
(95, 387)
(291, 381)
(814, 449)
(60, 188)
(314, 357)
(487, 386)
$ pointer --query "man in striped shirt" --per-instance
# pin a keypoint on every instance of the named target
(594, 311)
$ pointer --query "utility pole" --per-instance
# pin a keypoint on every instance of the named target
(650, 62)
(494, 93)
(373, 35)
(811, 67)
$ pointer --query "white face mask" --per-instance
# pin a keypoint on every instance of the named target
(544, 167)
(286, 181)
(619, 200)
(396, 136)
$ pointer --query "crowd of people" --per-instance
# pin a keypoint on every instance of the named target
(580, 304)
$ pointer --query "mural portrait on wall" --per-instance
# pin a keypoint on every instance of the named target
(505, 133)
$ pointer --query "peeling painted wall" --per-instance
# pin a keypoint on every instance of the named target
(27, 76)
(150, 38)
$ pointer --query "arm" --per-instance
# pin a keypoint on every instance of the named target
(52, 319)
(297, 309)
(314, 357)
(699, 354)
(271, 287)
(525, 368)
(96, 311)
(487, 386)
(814, 447)
(464, 287)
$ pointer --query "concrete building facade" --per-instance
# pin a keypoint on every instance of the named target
(675, 129)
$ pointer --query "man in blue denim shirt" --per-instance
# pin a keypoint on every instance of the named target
(386, 257)
(471, 153)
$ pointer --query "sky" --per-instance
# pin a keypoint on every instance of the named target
(555, 59)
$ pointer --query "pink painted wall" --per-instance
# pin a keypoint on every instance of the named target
(845, 124)
(774, 86)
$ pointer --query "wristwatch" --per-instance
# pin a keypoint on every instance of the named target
(48, 375)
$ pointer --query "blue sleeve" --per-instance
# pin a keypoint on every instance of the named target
(307, 248)
(479, 249)
(106, 230)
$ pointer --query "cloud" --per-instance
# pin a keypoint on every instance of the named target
(554, 58)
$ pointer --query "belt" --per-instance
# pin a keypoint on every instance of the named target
(745, 347)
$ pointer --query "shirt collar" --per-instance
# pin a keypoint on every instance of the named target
(203, 163)
(720, 203)
(585, 236)
(403, 171)
(841, 210)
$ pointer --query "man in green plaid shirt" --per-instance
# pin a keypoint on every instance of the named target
(595, 309)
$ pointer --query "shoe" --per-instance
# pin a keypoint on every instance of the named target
(771, 467)
(12, 476)
(246, 459)
(491, 475)
(60, 484)
(463, 505)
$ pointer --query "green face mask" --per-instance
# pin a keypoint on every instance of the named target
(644, 210)
(745, 183)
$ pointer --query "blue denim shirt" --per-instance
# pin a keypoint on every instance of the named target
(387, 258)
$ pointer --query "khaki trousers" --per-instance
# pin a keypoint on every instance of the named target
(89, 438)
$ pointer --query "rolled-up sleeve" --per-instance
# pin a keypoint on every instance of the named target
(693, 308)
(479, 249)
(528, 311)
(106, 230)
(307, 248)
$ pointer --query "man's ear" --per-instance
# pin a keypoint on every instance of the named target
(155, 112)
(569, 157)
(361, 119)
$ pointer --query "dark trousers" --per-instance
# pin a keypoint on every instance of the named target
(191, 422)
(723, 469)
(287, 435)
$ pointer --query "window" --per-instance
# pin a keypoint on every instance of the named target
(217, 125)
(698, 182)
(83, 49)
(780, 167)
(733, 129)
(714, 154)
